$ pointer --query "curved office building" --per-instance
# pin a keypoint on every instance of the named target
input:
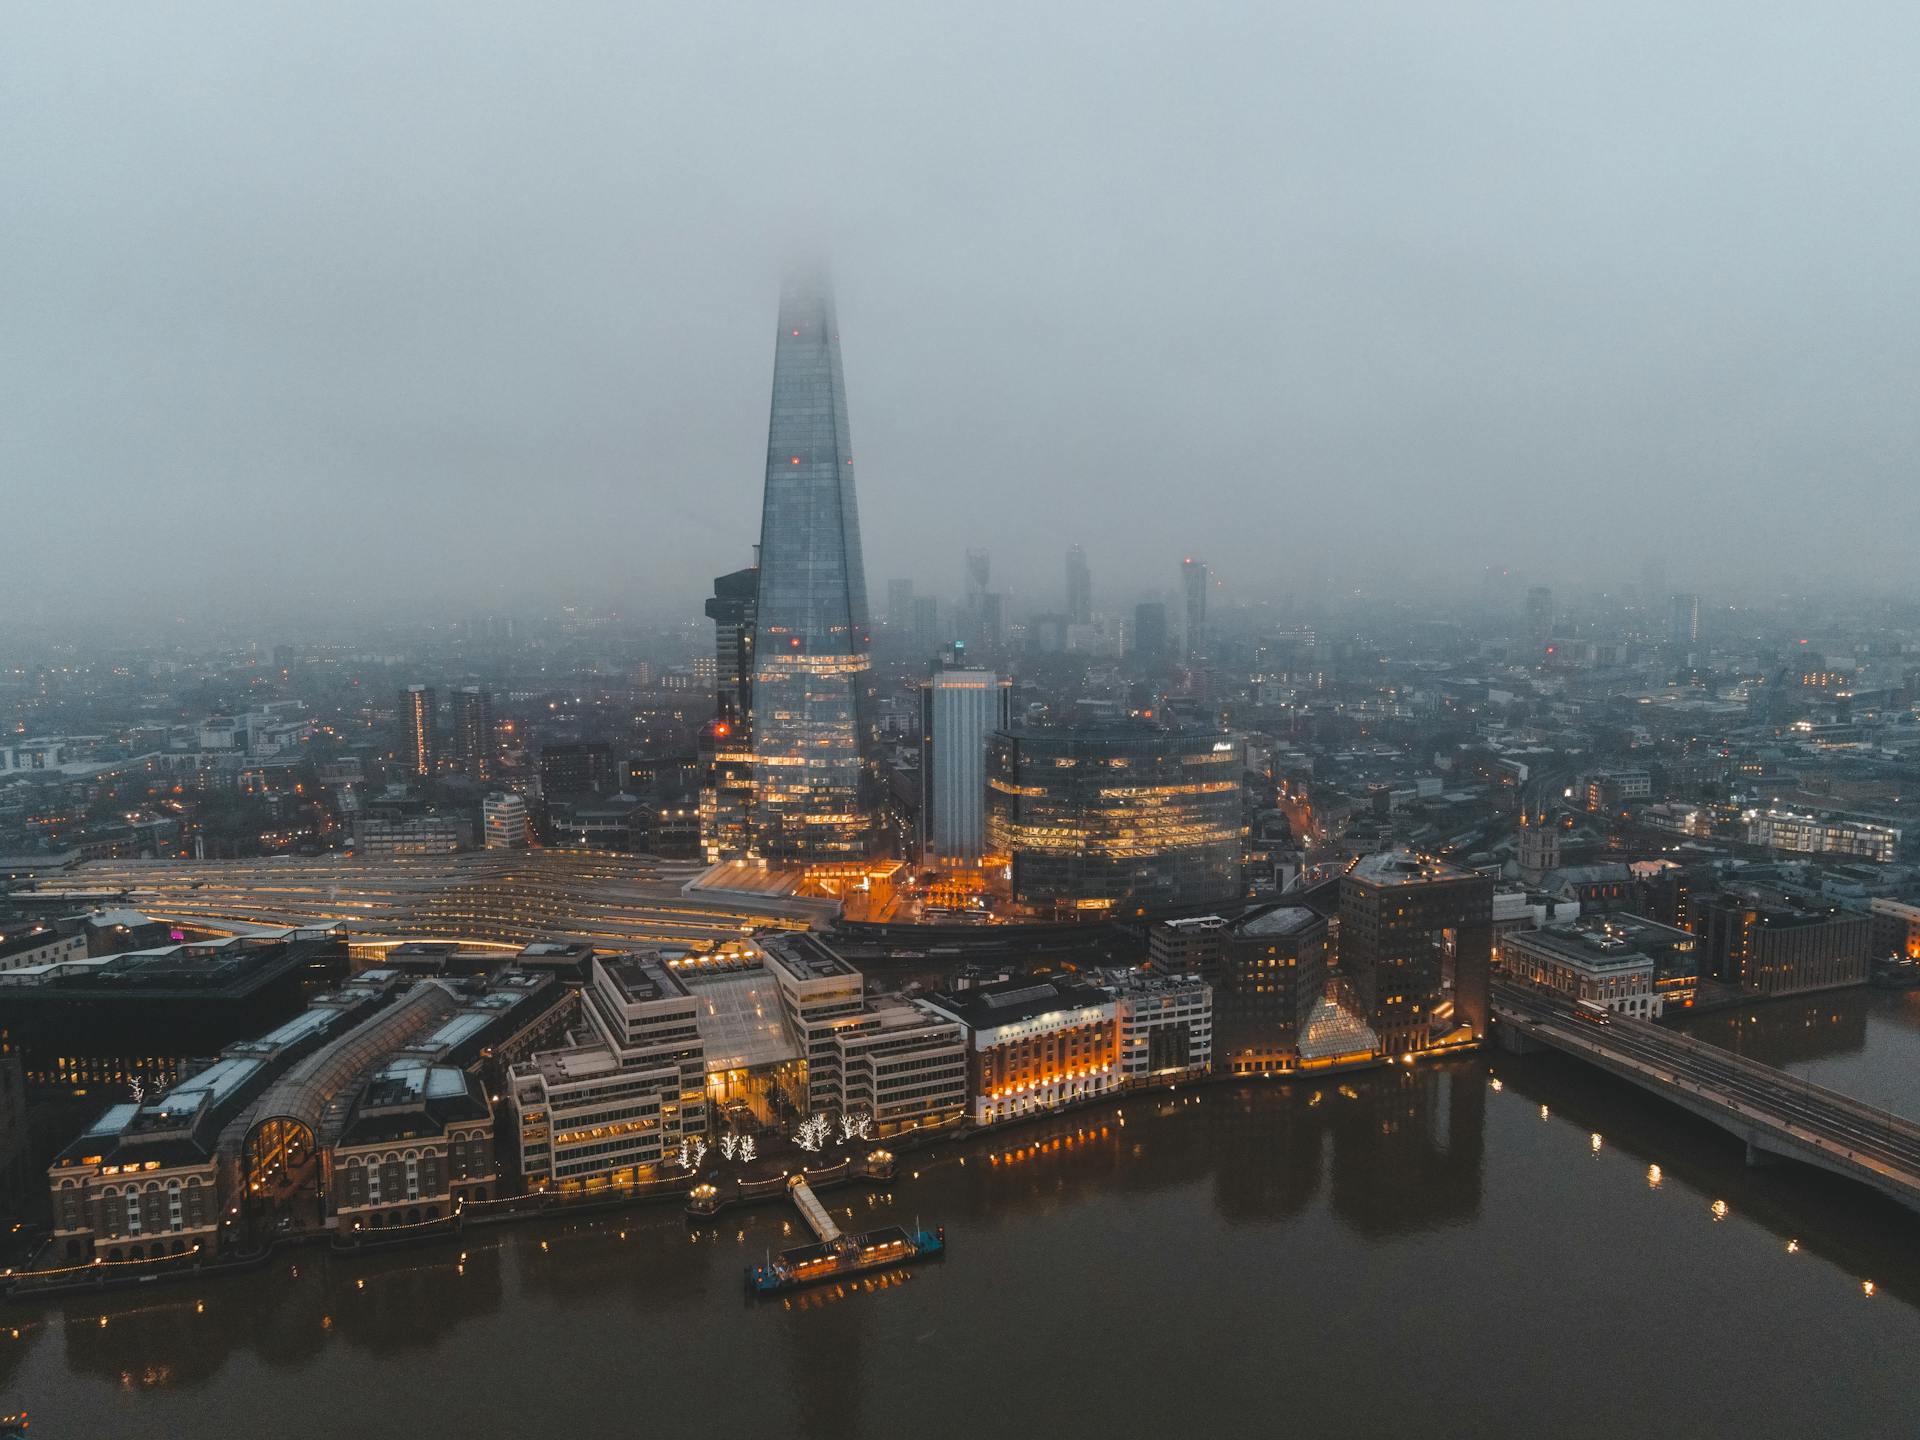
(1116, 817)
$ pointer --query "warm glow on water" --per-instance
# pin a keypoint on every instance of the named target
(1261, 1228)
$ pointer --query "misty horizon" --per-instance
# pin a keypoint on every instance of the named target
(360, 310)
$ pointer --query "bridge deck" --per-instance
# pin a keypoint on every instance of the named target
(1776, 1113)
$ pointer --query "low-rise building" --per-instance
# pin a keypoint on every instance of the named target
(1821, 835)
(1628, 964)
(1035, 1045)
(611, 1108)
(904, 1064)
(1768, 945)
(1896, 928)
(36, 942)
(1166, 1025)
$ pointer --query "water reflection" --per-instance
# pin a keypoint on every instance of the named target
(1191, 1207)
(285, 1315)
(1809, 1211)
(1862, 1042)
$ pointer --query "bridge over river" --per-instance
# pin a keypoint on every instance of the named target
(1777, 1115)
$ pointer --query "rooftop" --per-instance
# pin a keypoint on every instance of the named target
(1284, 920)
(806, 957)
(1009, 1001)
(643, 978)
(1404, 867)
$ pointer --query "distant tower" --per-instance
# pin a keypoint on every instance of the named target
(419, 735)
(1195, 579)
(473, 743)
(1539, 618)
(1683, 621)
(1150, 639)
(899, 605)
(1079, 588)
(812, 778)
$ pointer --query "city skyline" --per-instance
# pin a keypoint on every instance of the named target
(1461, 273)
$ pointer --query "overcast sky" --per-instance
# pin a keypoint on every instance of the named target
(418, 303)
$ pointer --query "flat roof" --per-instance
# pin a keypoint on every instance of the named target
(1009, 1001)
(641, 978)
(1286, 920)
(806, 956)
(1404, 867)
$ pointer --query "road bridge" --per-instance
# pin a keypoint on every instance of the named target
(1777, 1115)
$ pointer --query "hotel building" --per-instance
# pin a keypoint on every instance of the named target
(1035, 1046)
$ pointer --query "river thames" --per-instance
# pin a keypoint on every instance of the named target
(1489, 1247)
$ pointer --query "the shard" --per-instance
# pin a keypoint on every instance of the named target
(812, 786)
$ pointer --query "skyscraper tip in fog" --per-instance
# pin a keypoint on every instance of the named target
(811, 780)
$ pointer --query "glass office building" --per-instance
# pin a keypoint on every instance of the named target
(812, 777)
(1116, 817)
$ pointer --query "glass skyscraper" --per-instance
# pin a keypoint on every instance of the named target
(812, 776)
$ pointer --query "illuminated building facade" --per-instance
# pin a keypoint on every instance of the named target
(612, 1108)
(960, 710)
(1895, 929)
(419, 730)
(1683, 620)
(504, 820)
(1814, 835)
(726, 743)
(1033, 1047)
(114, 1020)
(368, 1109)
(1116, 817)
(813, 783)
(1631, 966)
(1409, 924)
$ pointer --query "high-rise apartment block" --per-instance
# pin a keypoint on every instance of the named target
(420, 731)
(473, 742)
(1683, 621)
(503, 822)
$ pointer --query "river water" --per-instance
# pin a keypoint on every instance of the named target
(1483, 1247)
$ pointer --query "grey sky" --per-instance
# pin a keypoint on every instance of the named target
(405, 302)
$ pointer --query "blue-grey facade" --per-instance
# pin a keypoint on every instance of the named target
(812, 773)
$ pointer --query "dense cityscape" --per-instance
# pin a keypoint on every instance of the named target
(1468, 982)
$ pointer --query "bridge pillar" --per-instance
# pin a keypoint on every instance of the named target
(1514, 1040)
(1756, 1157)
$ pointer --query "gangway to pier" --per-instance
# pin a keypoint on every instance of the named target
(813, 1211)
